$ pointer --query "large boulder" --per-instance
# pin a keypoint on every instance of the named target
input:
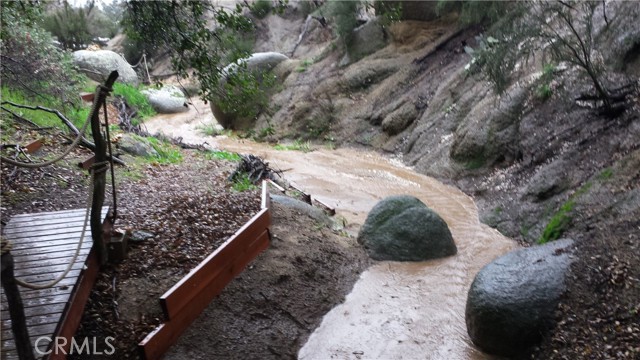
(403, 228)
(136, 145)
(512, 300)
(367, 39)
(167, 100)
(97, 65)
(257, 62)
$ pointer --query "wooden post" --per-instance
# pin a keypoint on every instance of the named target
(16, 309)
(99, 178)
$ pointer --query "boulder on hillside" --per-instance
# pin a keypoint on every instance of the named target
(136, 145)
(97, 65)
(167, 100)
(403, 228)
(512, 300)
(399, 119)
(258, 62)
(367, 39)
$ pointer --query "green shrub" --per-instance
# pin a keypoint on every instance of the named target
(167, 153)
(222, 155)
(77, 115)
(561, 220)
(135, 99)
(544, 90)
(243, 183)
(261, 8)
(296, 146)
(30, 61)
(209, 130)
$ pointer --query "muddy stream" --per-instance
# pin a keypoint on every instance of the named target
(395, 310)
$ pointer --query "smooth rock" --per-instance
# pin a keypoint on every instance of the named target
(403, 228)
(512, 300)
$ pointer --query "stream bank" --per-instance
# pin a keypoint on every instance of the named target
(394, 308)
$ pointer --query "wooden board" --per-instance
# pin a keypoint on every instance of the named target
(184, 302)
(43, 245)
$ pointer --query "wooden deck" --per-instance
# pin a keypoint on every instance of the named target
(43, 245)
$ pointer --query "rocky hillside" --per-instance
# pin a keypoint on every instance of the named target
(522, 155)
(540, 165)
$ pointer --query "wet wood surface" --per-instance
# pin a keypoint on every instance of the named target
(43, 245)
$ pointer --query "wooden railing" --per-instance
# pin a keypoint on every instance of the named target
(184, 302)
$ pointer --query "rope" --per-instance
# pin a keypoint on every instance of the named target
(69, 149)
(94, 170)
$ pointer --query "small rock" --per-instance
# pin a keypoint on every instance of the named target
(138, 236)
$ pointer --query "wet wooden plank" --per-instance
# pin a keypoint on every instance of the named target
(44, 301)
(56, 269)
(31, 321)
(32, 228)
(50, 250)
(52, 214)
(43, 278)
(63, 287)
(34, 331)
(72, 317)
(158, 341)
(33, 236)
(51, 243)
(44, 259)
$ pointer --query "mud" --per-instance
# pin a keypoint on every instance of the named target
(395, 309)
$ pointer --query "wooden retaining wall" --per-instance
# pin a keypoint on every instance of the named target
(184, 302)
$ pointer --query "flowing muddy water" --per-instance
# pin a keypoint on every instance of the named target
(395, 310)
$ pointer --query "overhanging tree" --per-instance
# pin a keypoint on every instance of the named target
(198, 34)
(564, 30)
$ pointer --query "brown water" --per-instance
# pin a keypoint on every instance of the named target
(395, 310)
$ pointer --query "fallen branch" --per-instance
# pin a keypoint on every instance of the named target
(302, 34)
(83, 141)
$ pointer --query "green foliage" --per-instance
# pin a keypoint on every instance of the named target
(474, 12)
(197, 33)
(389, 11)
(247, 93)
(135, 99)
(222, 155)
(265, 132)
(563, 30)
(544, 90)
(209, 130)
(30, 61)
(77, 116)
(475, 163)
(343, 16)
(561, 220)
(558, 224)
(297, 145)
(261, 8)
(606, 174)
(304, 65)
(167, 153)
(243, 183)
(71, 26)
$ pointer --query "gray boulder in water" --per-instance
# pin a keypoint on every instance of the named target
(512, 300)
(403, 228)
(167, 100)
